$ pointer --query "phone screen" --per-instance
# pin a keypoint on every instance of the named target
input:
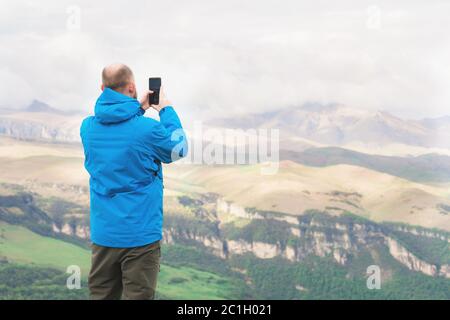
(154, 84)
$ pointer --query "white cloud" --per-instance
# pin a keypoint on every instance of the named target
(17, 91)
(227, 57)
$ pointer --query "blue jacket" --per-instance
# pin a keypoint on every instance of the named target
(123, 155)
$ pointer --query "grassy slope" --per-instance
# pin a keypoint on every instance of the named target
(424, 168)
(20, 245)
(296, 188)
(24, 247)
(293, 189)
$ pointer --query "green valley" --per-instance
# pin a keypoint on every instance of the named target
(231, 233)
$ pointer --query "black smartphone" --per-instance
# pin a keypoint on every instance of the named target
(154, 84)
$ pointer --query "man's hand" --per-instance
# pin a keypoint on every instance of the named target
(163, 101)
(144, 100)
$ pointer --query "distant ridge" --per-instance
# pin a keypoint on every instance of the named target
(39, 106)
(425, 168)
(338, 125)
(39, 121)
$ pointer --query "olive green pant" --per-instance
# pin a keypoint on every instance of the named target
(127, 273)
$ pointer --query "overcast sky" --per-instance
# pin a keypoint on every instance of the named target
(232, 56)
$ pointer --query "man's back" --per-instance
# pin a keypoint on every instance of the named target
(123, 155)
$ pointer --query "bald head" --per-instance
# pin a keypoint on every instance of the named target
(118, 77)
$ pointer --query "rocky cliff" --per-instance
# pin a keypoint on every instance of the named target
(336, 237)
(264, 234)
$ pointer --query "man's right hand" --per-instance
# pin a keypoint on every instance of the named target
(163, 101)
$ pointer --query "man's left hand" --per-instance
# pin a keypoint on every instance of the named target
(144, 100)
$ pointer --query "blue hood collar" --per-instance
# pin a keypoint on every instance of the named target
(112, 107)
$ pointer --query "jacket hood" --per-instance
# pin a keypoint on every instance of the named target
(113, 107)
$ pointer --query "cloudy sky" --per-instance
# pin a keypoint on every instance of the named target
(234, 56)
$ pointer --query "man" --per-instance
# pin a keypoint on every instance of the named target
(123, 155)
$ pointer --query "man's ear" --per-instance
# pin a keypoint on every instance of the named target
(132, 89)
(102, 87)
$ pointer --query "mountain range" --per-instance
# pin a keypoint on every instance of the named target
(310, 125)
(41, 122)
(340, 125)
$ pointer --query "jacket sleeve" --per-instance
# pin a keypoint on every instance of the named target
(84, 127)
(167, 137)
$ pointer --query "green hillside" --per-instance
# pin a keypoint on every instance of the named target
(423, 168)
(23, 246)
(314, 277)
(35, 270)
(48, 258)
(18, 282)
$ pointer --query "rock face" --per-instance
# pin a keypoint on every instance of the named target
(412, 262)
(259, 249)
(339, 246)
(79, 231)
(40, 122)
(215, 244)
(408, 259)
(423, 233)
(335, 239)
(445, 271)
